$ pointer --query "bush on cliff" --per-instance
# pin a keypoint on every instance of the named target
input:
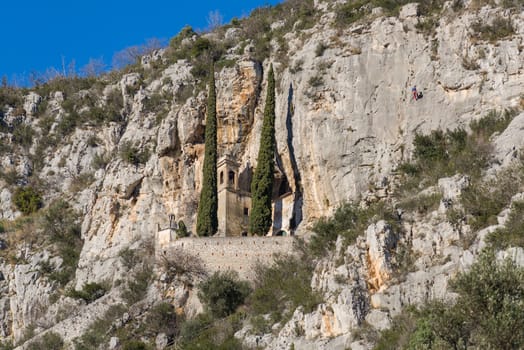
(441, 154)
(132, 154)
(27, 200)
(89, 292)
(349, 221)
(488, 313)
(61, 224)
(50, 340)
(222, 293)
(512, 234)
(282, 287)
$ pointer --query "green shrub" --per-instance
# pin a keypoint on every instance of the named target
(202, 333)
(128, 256)
(23, 135)
(110, 111)
(427, 26)
(89, 293)
(98, 333)
(100, 161)
(81, 182)
(421, 203)
(135, 345)
(469, 63)
(67, 124)
(67, 85)
(397, 337)
(431, 148)
(154, 103)
(162, 318)
(348, 221)
(512, 234)
(319, 50)
(10, 96)
(350, 12)
(137, 285)
(11, 177)
(191, 328)
(222, 293)
(50, 340)
(491, 123)
(182, 230)
(440, 154)
(7, 345)
(482, 201)
(183, 93)
(490, 297)
(27, 200)
(132, 154)
(61, 224)
(488, 313)
(282, 287)
(429, 7)
(315, 81)
(201, 51)
(41, 109)
(93, 141)
(500, 28)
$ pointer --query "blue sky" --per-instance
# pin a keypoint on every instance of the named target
(36, 34)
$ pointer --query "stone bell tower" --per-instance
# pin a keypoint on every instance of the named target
(234, 205)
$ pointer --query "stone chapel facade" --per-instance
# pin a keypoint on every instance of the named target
(234, 203)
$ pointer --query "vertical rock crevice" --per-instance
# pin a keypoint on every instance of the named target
(298, 201)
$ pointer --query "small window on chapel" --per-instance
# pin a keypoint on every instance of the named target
(221, 177)
(246, 211)
(231, 178)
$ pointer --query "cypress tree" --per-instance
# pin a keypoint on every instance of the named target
(262, 185)
(207, 221)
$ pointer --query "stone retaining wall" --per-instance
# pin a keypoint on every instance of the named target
(229, 253)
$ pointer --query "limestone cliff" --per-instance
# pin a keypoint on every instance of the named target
(345, 122)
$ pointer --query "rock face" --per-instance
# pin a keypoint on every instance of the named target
(381, 241)
(345, 121)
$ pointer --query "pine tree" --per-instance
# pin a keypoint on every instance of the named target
(207, 220)
(262, 185)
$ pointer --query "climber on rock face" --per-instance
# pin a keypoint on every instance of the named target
(414, 91)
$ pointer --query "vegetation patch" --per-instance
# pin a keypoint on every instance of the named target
(441, 154)
(89, 292)
(204, 332)
(50, 340)
(132, 154)
(61, 224)
(512, 235)
(282, 287)
(499, 28)
(97, 333)
(223, 293)
(27, 200)
(23, 135)
(483, 200)
(137, 285)
(349, 221)
(488, 313)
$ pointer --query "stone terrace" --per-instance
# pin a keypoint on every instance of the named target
(229, 253)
